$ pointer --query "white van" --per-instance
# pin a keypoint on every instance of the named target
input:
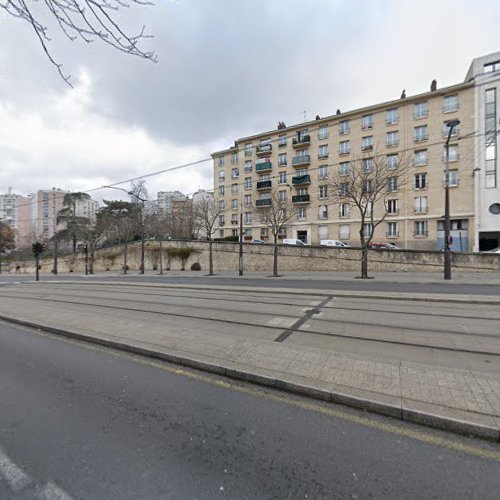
(293, 242)
(332, 243)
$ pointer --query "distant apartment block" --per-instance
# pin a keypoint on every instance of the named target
(298, 161)
(166, 200)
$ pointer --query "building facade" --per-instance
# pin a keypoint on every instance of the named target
(298, 162)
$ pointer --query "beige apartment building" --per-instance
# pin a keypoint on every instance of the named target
(408, 134)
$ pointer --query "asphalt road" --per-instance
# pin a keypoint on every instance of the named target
(321, 284)
(84, 422)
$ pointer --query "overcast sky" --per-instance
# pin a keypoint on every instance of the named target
(227, 69)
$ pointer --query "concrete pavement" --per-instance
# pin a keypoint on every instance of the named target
(442, 378)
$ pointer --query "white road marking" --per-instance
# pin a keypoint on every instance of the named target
(15, 477)
(280, 321)
(52, 492)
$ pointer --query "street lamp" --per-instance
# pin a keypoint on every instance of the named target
(447, 237)
(131, 193)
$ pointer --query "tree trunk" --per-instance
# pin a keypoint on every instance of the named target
(161, 259)
(125, 260)
(210, 258)
(275, 257)
(364, 262)
(91, 262)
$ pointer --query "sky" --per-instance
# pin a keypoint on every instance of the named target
(227, 69)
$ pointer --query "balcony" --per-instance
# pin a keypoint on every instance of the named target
(264, 149)
(265, 166)
(299, 161)
(266, 202)
(299, 142)
(301, 198)
(263, 185)
(301, 180)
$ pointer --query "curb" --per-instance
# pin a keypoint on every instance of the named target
(372, 404)
(361, 294)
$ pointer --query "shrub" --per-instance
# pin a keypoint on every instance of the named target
(196, 266)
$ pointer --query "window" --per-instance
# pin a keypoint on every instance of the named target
(344, 189)
(323, 212)
(248, 183)
(367, 143)
(367, 164)
(420, 157)
(248, 166)
(420, 181)
(248, 217)
(221, 161)
(221, 220)
(323, 132)
(392, 206)
(234, 232)
(345, 168)
(221, 190)
(455, 225)
(344, 127)
(392, 229)
(323, 152)
(392, 116)
(234, 204)
(303, 152)
(234, 188)
(222, 175)
(248, 200)
(344, 233)
(323, 232)
(345, 210)
(302, 213)
(323, 171)
(303, 135)
(420, 110)
(420, 205)
(420, 133)
(450, 103)
(392, 183)
(452, 152)
(490, 167)
(367, 230)
(367, 122)
(392, 138)
(323, 191)
(420, 228)
(282, 159)
(222, 204)
(248, 149)
(235, 173)
(345, 147)
(302, 191)
(392, 162)
(282, 141)
(282, 195)
(368, 208)
(490, 67)
(452, 178)
(454, 130)
(234, 157)
(368, 187)
(282, 178)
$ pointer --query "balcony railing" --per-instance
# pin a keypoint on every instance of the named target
(261, 185)
(298, 161)
(301, 179)
(301, 198)
(263, 167)
(298, 142)
(264, 148)
(266, 202)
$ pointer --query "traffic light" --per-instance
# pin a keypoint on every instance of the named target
(38, 248)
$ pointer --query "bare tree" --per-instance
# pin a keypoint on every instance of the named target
(368, 186)
(7, 237)
(206, 212)
(158, 225)
(276, 212)
(88, 20)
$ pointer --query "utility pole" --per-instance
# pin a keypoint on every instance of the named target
(54, 231)
(447, 236)
(86, 251)
(240, 271)
(38, 248)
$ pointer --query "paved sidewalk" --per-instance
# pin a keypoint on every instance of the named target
(465, 401)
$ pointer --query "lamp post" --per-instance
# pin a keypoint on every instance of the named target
(447, 237)
(131, 193)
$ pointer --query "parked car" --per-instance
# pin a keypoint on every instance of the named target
(293, 242)
(332, 243)
(378, 245)
(258, 242)
(495, 250)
